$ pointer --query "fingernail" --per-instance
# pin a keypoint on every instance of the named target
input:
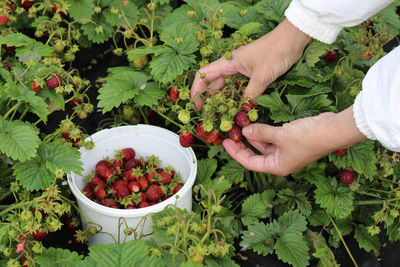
(246, 131)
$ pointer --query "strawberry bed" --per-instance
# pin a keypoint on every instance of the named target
(72, 68)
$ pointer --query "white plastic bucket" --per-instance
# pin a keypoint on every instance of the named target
(146, 140)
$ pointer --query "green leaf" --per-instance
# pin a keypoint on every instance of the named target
(365, 240)
(293, 249)
(314, 51)
(149, 94)
(234, 20)
(123, 84)
(303, 204)
(218, 185)
(318, 217)
(18, 140)
(187, 43)
(144, 51)
(178, 15)
(39, 172)
(233, 171)
(128, 14)
(250, 28)
(81, 10)
(273, 10)
(52, 96)
(393, 231)
(310, 106)
(253, 208)
(292, 222)
(280, 112)
(205, 169)
(167, 66)
(313, 173)
(260, 238)
(131, 254)
(391, 18)
(360, 157)
(336, 198)
(57, 257)
(322, 251)
(99, 36)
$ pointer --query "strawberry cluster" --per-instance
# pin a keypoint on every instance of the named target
(129, 182)
(223, 115)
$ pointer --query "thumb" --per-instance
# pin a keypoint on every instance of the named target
(260, 132)
(255, 88)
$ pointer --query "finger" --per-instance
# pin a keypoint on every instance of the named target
(220, 68)
(261, 132)
(218, 84)
(247, 158)
(255, 88)
(262, 147)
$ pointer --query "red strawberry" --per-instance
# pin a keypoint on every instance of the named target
(347, 176)
(10, 8)
(97, 182)
(212, 136)
(35, 87)
(143, 197)
(159, 170)
(154, 192)
(114, 171)
(104, 162)
(340, 152)
(177, 188)
(150, 175)
(54, 10)
(200, 131)
(89, 195)
(118, 163)
(108, 202)
(76, 102)
(21, 245)
(133, 163)
(242, 119)
(26, 4)
(331, 56)
(235, 133)
(128, 153)
(239, 83)
(186, 139)
(103, 172)
(174, 95)
(143, 182)
(9, 48)
(120, 184)
(129, 175)
(23, 261)
(165, 178)
(144, 204)
(122, 192)
(366, 55)
(100, 193)
(54, 81)
(247, 106)
(39, 235)
(3, 20)
(71, 223)
(135, 187)
(219, 141)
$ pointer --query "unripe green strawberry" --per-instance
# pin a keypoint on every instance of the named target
(217, 35)
(152, 6)
(203, 63)
(69, 56)
(184, 116)
(127, 112)
(191, 14)
(383, 38)
(226, 124)
(178, 40)
(232, 112)
(208, 125)
(354, 91)
(59, 45)
(219, 24)
(222, 108)
(206, 51)
(207, 108)
(114, 11)
(243, 12)
(253, 115)
(92, 230)
(228, 55)
(201, 36)
(140, 62)
(118, 52)
(97, 10)
(127, 34)
(338, 72)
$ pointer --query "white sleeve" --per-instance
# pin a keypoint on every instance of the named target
(377, 107)
(324, 19)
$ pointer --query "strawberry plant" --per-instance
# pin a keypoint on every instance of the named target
(148, 53)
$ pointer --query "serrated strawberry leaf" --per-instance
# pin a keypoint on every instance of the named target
(365, 240)
(272, 10)
(336, 198)
(280, 112)
(260, 238)
(314, 51)
(205, 169)
(123, 84)
(250, 28)
(254, 208)
(234, 20)
(292, 248)
(130, 254)
(128, 14)
(218, 185)
(52, 96)
(393, 231)
(81, 10)
(292, 222)
(360, 157)
(99, 30)
(179, 14)
(313, 173)
(18, 140)
(309, 106)
(149, 95)
(233, 171)
(144, 51)
(57, 257)
(391, 19)
(39, 172)
(167, 66)
(181, 38)
(318, 217)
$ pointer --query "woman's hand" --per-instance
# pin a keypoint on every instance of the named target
(262, 61)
